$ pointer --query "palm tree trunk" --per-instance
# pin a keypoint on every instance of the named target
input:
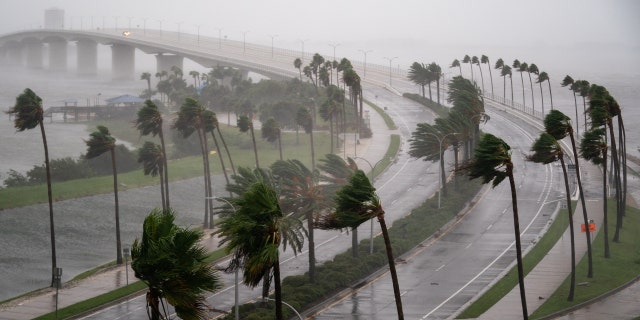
(280, 143)
(278, 290)
(164, 203)
(313, 152)
(166, 169)
(430, 96)
(438, 89)
(443, 175)
(233, 169)
(115, 194)
(533, 101)
(331, 132)
(575, 102)
(490, 77)
(392, 265)
(616, 166)
(481, 77)
(572, 286)
(255, 146)
(54, 265)
(354, 242)
(542, 98)
(208, 175)
(206, 179)
(585, 218)
(511, 81)
(312, 248)
(605, 222)
(516, 227)
(622, 136)
(524, 103)
(550, 94)
(471, 67)
(504, 88)
(222, 166)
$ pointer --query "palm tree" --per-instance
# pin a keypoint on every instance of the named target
(456, 63)
(435, 71)
(583, 87)
(253, 236)
(28, 114)
(271, 132)
(573, 86)
(543, 76)
(506, 71)
(297, 63)
(330, 109)
(171, 262)
(485, 59)
(492, 163)
(475, 61)
(246, 125)
(210, 126)
(417, 75)
(532, 69)
(147, 76)
(558, 125)
(425, 143)
(546, 149)
(149, 121)
(99, 142)
(190, 119)
(467, 59)
(593, 147)
(303, 194)
(151, 157)
(195, 75)
(521, 67)
(356, 203)
(305, 120)
(540, 80)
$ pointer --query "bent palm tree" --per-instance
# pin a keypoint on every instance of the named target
(456, 63)
(147, 77)
(546, 149)
(485, 59)
(492, 163)
(171, 262)
(356, 203)
(245, 124)
(543, 76)
(467, 59)
(305, 120)
(151, 157)
(149, 121)
(28, 114)
(254, 234)
(271, 132)
(99, 142)
(532, 69)
(475, 61)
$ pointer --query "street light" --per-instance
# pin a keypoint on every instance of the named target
(220, 37)
(302, 41)
(237, 293)
(57, 277)
(365, 61)
(198, 26)
(288, 305)
(160, 21)
(127, 253)
(115, 27)
(334, 45)
(244, 41)
(272, 37)
(440, 140)
(390, 59)
(373, 168)
(179, 23)
(144, 26)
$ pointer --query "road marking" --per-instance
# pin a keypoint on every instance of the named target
(469, 245)
(489, 227)
(442, 266)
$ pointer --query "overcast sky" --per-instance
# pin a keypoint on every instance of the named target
(597, 31)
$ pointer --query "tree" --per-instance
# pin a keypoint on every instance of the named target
(151, 157)
(150, 121)
(195, 75)
(417, 74)
(492, 163)
(246, 125)
(435, 71)
(210, 126)
(546, 149)
(190, 119)
(474, 60)
(172, 263)
(467, 59)
(583, 87)
(147, 76)
(356, 203)
(593, 147)
(532, 69)
(558, 125)
(330, 109)
(506, 71)
(297, 63)
(425, 143)
(485, 59)
(543, 76)
(304, 196)
(99, 142)
(574, 87)
(521, 67)
(254, 234)
(28, 114)
(456, 63)
(304, 119)
(271, 132)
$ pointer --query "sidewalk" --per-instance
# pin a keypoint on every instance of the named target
(43, 301)
(555, 267)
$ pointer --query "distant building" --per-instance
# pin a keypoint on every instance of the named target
(54, 18)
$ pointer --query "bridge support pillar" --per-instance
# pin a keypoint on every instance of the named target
(87, 57)
(34, 54)
(58, 55)
(123, 62)
(165, 62)
(13, 55)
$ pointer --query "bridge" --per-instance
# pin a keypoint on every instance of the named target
(50, 49)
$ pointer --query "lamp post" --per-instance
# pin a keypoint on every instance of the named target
(198, 26)
(272, 37)
(365, 61)
(57, 277)
(219, 38)
(237, 293)
(440, 140)
(115, 26)
(144, 26)
(334, 45)
(373, 168)
(179, 24)
(129, 22)
(288, 305)
(390, 59)
(160, 21)
(127, 253)
(244, 41)
(302, 41)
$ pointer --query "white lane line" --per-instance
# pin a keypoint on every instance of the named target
(442, 266)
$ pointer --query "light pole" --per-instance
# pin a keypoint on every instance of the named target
(440, 140)
(373, 168)
(219, 38)
(237, 292)
(144, 26)
(365, 61)
(302, 41)
(57, 277)
(334, 45)
(390, 59)
(179, 24)
(115, 26)
(244, 41)
(160, 21)
(129, 22)
(127, 253)
(288, 305)
(198, 26)
(273, 36)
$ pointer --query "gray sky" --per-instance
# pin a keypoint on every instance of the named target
(579, 32)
